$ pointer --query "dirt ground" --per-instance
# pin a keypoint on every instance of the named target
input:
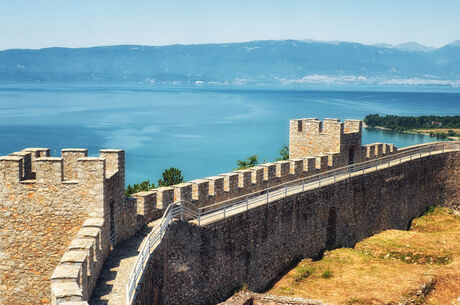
(421, 265)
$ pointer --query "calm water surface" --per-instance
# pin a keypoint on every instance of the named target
(202, 131)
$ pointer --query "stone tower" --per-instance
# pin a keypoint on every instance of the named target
(311, 137)
(43, 203)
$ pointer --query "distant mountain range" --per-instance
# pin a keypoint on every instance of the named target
(285, 62)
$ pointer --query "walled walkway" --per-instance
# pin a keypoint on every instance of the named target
(289, 190)
(111, 286)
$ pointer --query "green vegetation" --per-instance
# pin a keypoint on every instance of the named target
(171, 176)
(326, 274)
(284, 153)
(302, 273)
(143, 186)
(430, 210)
(405, 123)
(253, 160)
(250, 161)
(444, 135)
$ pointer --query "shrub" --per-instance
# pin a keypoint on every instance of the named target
(326, 274)
(429, 211)
(303, 273)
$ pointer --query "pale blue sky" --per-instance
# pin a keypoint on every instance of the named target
(79, 23)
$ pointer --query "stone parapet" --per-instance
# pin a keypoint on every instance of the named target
(283, 170)
(45, 201)
(200, 191)
(183, 192)
(322, 163)
(70, 157)
(311, 137)
(230, 183)
(147, 206)
(244, 178)
(37, 166)
(257, 177)
(75, 277)
(296, 168)
(165, 196)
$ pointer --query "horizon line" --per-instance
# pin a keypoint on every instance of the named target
(235, 42)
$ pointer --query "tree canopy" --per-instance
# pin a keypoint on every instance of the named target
(403, 123)
(284, 153)
(250, 161)
(171, 176)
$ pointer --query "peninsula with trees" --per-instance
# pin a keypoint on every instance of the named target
(435, 126)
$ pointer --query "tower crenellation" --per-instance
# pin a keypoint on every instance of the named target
(71, 157)
(353, 126)
(311, 137)
(55, 195)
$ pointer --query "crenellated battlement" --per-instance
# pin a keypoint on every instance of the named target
(330, 126)
(340, 140)
(34, 165)
(353, 126)
(227, 186)
(71, 156)
(45, 201)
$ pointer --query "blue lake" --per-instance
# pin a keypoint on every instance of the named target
(202, 131)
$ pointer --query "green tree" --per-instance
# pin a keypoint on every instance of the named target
(284, 153)
(143, 186)
(171, 176)
(251, 161)
(129, 190)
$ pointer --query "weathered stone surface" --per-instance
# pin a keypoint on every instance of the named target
(311, 137)
(252, 298)
(44, 203)
(202, 265)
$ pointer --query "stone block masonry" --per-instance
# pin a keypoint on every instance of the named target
(211, 191)
(204, 265)
(311, 137)
(44, 204)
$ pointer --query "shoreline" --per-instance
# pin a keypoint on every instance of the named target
(409, 132)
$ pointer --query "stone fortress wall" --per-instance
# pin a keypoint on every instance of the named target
(65, 213)
(206, 264)
(44, 203)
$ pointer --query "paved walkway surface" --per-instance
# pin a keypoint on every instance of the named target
(111, 285)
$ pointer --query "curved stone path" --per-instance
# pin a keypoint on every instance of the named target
(111, 284)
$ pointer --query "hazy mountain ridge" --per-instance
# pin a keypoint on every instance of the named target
(266, 62)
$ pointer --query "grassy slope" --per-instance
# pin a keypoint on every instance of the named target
(386, 268)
